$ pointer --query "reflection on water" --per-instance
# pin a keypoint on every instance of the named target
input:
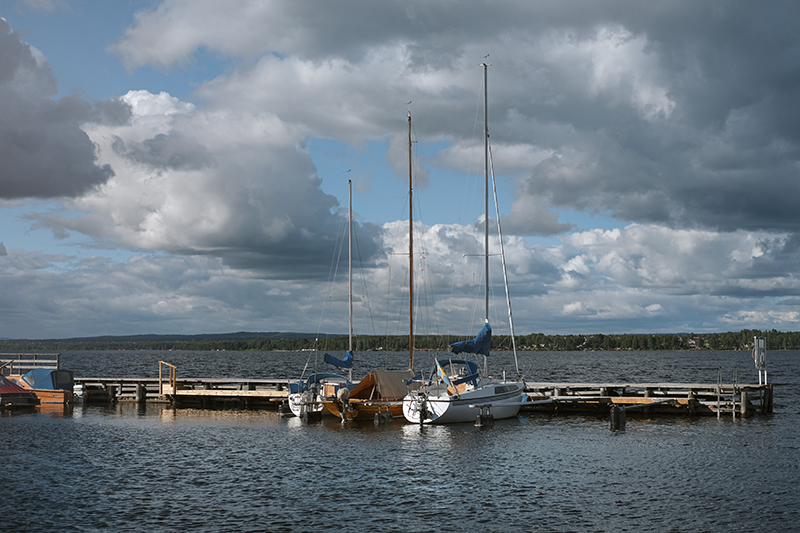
(155, 468)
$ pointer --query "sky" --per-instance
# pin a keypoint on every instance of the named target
(182, 166)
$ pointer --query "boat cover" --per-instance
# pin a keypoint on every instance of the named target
(383, 385)
(480, 344)
(49, 379)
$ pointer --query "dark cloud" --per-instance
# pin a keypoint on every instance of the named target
(173, 152)
(43, 150)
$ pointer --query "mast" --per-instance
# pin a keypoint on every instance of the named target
(410, 256)
(486, 184)
(486, 197)
(350, 266)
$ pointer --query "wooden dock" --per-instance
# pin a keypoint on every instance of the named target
(682, 399)
(688, 399)
(645, 399)
(232, 392)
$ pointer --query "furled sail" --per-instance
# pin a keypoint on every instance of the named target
(480, 344)
(347, 362)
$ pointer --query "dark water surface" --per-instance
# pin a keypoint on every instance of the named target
(124, 468)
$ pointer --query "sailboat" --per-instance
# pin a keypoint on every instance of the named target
(381, 392)
(456, 390)
(306, 395)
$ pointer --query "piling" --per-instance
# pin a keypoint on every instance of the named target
(617, 418)
(141, 393)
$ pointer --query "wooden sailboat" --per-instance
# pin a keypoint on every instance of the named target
(457, 391)
(381, 392)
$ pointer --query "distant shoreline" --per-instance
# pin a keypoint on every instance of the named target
(288, 341)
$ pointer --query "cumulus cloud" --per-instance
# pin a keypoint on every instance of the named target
(678, 120)
(210, 182)
(44, 152)
(620, 108)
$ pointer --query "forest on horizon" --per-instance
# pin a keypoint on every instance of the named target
(242, 341)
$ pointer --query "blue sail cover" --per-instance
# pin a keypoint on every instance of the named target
(480, 344)
(347, 362)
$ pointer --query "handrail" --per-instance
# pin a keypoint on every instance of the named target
(28, 361)
(173, 377)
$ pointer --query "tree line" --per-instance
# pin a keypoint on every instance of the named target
(742, 340)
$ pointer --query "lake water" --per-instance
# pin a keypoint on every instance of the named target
(128, 468)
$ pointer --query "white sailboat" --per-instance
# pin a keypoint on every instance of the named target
(306, 395)
(457, 391)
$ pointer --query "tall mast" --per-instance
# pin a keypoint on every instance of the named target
(486, 198)
(410, 256)
(350, 265)
(486, 185)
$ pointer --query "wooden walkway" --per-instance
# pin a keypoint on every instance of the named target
(651, 398)
(686, 399)
(191, 391)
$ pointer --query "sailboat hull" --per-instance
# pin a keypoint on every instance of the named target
(438, 406)
(364, 410)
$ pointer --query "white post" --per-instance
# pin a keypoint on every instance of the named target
(760, 358)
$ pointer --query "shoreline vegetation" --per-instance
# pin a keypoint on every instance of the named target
(281, 341)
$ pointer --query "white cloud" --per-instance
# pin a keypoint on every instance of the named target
(687, 133)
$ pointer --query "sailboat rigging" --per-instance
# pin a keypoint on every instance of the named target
(381, 392)
(306, 396)
(456, 390)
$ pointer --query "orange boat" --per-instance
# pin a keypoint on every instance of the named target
(381, 391)
(51, 386)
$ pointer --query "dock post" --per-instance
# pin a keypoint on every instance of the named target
(141, 393)
(767, 407)
(744, 403)
(112, 392)
(617, 418)
(733, 391)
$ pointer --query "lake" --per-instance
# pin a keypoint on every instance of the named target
(155, 468)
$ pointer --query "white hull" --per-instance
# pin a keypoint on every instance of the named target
(303, 402)
(439, 407)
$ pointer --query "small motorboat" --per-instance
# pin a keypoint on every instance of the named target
(13, 396)
(51, 385)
